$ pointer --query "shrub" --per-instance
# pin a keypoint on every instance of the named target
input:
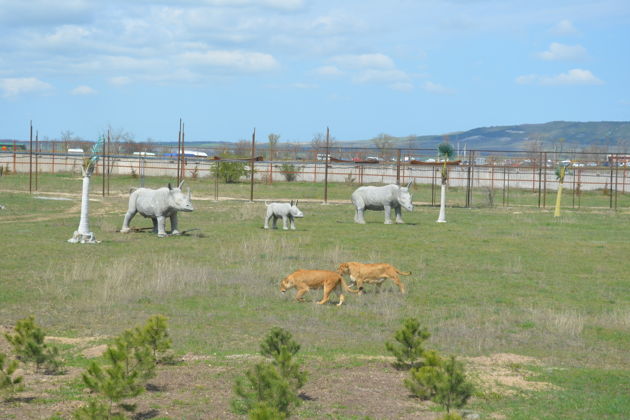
(269, 389)
(29, 346)
(8, 382)
(408, 348)
(442, 381)
(280, 346)
(229, 172)
(289, 171)
(131, 361)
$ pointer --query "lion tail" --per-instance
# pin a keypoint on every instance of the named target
(346, 287)
(403, 273)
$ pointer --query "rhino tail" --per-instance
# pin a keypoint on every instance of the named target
(132, 189)
(266, 204)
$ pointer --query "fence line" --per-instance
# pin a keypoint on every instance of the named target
(482, 170)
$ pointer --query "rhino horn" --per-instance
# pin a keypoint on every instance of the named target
(409, 184)
(180, 184)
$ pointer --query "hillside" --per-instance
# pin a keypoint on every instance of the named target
(517, 137)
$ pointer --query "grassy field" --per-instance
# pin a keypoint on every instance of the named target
(507, 280)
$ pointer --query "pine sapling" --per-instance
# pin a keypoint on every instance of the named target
(408, 348)
(263, 384)
(8, 382)
(29, 346)
(442, 381)
(281, 347)
(155, 336)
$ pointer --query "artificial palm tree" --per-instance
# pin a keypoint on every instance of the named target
(445, 151)
(83, 234)
(560, 173)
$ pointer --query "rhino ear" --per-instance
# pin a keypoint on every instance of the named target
(169, 186)
(291, 203)
(296, 203)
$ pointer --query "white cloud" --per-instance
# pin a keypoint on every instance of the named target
(572, 77)
(328, 71)
(364, 61)
(564, 27)
(239, 60)
(381, 76)
(119, 80)
(559, 51)
(437, 88)
(16, 86)
(83, 90)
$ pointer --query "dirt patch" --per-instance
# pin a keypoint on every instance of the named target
(503, 373)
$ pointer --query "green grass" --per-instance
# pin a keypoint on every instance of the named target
(499, 280)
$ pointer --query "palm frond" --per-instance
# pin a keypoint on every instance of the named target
(446, 151)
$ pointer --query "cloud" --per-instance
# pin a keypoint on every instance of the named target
(559, 51)
(572, 77)
(83, 90)
(119, 80)
(238, 60)
(328, 71)
(564, 27)
(364, 61)
(16, 86)
(437, 88)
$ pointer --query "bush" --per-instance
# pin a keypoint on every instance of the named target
(289, 171)
(131, 361)
(442, 381)
(269, 389)
(28, 346)
(229, 172)
(408, 348)
(8, 383)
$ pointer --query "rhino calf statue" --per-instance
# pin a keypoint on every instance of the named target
(385, 198)
(158, 205)
(288, 213)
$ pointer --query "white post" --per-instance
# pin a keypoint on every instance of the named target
(83, 234)
(442, 216)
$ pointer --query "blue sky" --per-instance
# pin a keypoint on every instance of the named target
(294, 67)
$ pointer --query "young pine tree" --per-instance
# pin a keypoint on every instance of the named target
(408, 348)
(29, 346)
(155, 336)
(8, 382)
(442, 381)
(281, 347)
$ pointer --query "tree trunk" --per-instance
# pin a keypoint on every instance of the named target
(442, 216)
(83, 234)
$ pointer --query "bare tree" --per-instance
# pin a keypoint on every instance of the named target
(318, 142)
(273, 141)
(242, 148)
(384, 142)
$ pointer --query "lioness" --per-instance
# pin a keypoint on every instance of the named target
(304, 280)
(371, 273)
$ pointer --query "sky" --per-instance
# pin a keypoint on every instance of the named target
(295, 67)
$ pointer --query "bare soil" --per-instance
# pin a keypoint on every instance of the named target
(201, 387)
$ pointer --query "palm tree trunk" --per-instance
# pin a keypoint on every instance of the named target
(83, 234)
(442, 216)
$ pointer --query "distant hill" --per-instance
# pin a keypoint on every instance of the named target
(613, 135)
(577, 135)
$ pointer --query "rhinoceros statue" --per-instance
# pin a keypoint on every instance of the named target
(158, 205)
(385, 198)
(288, 212)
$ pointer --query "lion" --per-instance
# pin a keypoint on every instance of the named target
(304, 280)
(371, 273)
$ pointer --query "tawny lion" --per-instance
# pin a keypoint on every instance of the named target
(304, 280)
(371, 273)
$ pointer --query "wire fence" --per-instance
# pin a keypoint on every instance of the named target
(476, 177)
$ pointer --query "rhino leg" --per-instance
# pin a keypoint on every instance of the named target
(128, 216)
(284, 222)
(174, 230)
(388, 211)
(275, 222)
(398, 212)
(161, 221)
(358, 216)
(155, 224)
(292, 222)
